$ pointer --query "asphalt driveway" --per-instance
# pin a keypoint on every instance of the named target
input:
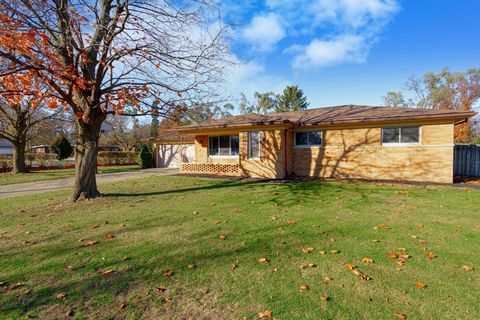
(14, 190)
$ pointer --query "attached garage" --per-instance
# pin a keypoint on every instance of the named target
(173, 149)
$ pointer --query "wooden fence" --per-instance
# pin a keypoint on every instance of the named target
(467, 160)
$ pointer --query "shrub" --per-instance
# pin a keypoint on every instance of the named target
(62, 147)
(108, 158)
(145, 158)
(476, 141)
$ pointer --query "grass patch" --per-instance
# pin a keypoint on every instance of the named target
(177, 223)
(8, 178)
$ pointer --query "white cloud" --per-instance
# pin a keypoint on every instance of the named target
(264, 31)
(249, 77)
(340, 49)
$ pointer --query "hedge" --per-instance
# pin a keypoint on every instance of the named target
(107, 158)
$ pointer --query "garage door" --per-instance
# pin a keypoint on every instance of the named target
(171, 155)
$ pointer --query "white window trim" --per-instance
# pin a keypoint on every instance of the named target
(218, 156)
(259, 145)
(402, 144)
(307, 146)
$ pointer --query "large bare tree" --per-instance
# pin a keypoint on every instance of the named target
(119, 57)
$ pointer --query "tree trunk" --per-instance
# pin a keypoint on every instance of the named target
(19, 158)
(86, 150)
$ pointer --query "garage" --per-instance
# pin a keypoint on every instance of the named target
(173, 149)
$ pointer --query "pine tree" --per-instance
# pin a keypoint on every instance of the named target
(154, 125)
(292, 99)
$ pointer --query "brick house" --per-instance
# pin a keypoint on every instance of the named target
(356, 142)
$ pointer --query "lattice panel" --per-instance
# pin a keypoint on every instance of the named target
(206, 168)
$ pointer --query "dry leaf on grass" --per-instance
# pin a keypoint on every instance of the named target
(222, 237)
(191, 266)
(107, 272)
(400, 315)
(61, 296)
(431, 255)
(421, 284)
(321, 252)
(167, 273)
(292, 222)
(367, 260)
(160, 289)
(263, 260)
(324, 298)
(392, 255)
(109, 236)
(90, 243)
(303, 288)
(468, 267)
(308, 250)
(334, 251)
(267, 314)
(350, 266)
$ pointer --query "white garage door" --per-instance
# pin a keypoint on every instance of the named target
(171, 155)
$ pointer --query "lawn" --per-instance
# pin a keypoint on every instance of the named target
(8, 178)
(189, 248)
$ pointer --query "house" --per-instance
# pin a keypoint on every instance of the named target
(354, 142)
(172, 149)
(42, 148)
(5, 146)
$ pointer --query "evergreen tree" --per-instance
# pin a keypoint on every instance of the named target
(154, 125)
(292, 99)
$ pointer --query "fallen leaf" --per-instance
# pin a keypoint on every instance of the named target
(222, 237)
(90, 243)
(431, 255)
(400, 315)
(267, 314)
(61, 296)
(376, 241)
(414, 236)
(94, 226)
(321, 252)
(191, 266)
(367, 260)
(216, 222)
(234, 265)
(292, 222)
(107, 272)
(420, 284)
(125, 258)
(324, 298)
(334, 251)
(167, 273)
(422, 241)
(109, 236)
(160, 289)
(350, 266)
(400, 262)
(303, 288)
(311, 265)
(308, 250)
(468, 268)
(263, 260)
(392, 255)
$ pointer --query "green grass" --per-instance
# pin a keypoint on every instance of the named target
(8, 178)
(167, 223)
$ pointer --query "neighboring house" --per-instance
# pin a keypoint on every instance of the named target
(170, 149)
(5, 146)
(357, 142)
(43, 148)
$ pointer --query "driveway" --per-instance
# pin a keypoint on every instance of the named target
(14, 190)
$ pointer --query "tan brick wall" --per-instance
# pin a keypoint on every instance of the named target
(358, 154)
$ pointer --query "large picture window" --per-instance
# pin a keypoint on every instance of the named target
(308, 138)
(254, 145)
(223, 146)
(400, 135)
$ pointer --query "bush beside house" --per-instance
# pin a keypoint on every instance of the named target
(145, 157)
(62, 147)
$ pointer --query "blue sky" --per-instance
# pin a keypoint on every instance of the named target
(348, 51)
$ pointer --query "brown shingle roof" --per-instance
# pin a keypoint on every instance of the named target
(166, 136)
(347, 114)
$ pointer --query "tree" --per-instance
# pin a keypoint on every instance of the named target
(19, 120)
(127, 133)
(62, 147)
(447, 90)
(154, 125)
(394, 99)
(111, 57)
(145, 158)
(292, 99)
(263, 103)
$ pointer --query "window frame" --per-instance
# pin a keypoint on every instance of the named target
(400, 143)
(300, 146)
(229, 143)
(249, 155)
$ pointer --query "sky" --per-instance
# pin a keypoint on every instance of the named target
(347, 51)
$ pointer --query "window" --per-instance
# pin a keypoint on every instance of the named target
(223, 146)
(401, 135)
(308, 138)
(254, 145)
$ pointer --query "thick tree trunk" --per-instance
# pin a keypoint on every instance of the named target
(19, 165)
(86, 150)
